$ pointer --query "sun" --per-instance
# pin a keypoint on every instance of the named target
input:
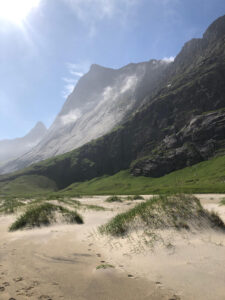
(16, 11)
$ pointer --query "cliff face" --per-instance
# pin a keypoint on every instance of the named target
(102, 99)
(180, 123)
(11, 149)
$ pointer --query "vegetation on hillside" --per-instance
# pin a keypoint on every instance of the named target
(204, 177)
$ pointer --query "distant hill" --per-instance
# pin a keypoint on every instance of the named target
(14, 148)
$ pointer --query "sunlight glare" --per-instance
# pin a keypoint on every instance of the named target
(16, 11)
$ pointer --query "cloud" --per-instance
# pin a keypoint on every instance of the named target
(68, 89)
(98, 9)
(75, 72)
(129, 83)
(90, 12)
(168, 59)
(71, 117)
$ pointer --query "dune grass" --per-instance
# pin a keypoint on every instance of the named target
(9, 205)
(222, 202)
(178, 212)
(137, 197)
(113, 199)
(94, 207)
(43, 215)
(104, 266)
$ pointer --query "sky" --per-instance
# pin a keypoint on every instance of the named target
(47, 45)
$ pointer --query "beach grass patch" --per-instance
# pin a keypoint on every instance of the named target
(104, 267)
(43, 215)
(113, 199)
(162, 212)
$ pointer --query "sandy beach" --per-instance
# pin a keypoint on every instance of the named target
(59, 262)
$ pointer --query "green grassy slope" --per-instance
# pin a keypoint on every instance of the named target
(28, 184)
(205, 177)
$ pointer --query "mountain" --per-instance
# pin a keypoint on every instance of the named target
(11, 149)
(179, 124)
(102, 99)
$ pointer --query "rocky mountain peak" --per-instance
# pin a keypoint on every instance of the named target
(216, 30)
(38, 130)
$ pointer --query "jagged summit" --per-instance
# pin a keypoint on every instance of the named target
(215, 30)
(96, 67)
(38, 129)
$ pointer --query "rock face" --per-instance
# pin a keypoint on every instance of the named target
(196, 141)
(11, 149)
(102, 99)
(177, 122)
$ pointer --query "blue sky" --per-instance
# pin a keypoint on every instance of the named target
(44, 51)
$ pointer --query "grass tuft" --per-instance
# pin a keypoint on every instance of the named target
(113, 199)
(44, 214)
(94, 207)
(137, 197)
(104, 266)
(222, 202)
(10, 205)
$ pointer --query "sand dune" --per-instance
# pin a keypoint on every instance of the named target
(59, 262)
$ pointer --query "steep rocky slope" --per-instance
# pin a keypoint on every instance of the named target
(102, 99)
(11, 149)
(180, 124)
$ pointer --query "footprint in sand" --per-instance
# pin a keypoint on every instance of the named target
(35, 283)
(2, 288)
(18, 279)
(45, 297)
(175, 297)
(6, 284)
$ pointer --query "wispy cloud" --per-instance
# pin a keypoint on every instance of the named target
(75, 72)
(90, 12)
(168, 59)
(71, 117)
